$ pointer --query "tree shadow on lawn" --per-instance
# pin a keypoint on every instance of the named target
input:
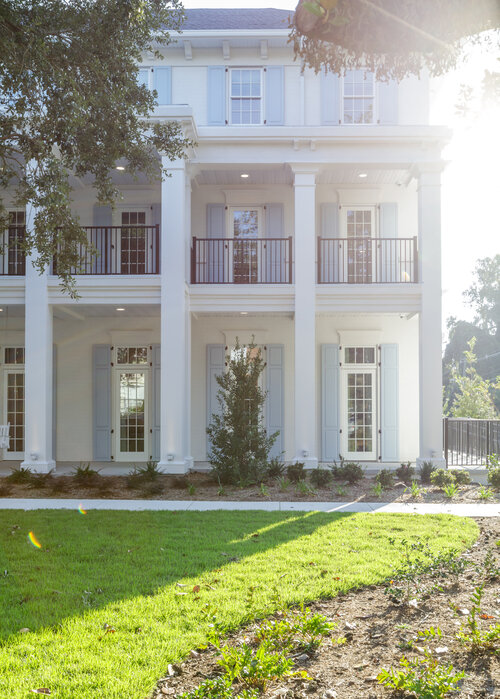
(90, 562)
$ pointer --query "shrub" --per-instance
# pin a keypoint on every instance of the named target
(493, 466)
(441, 477)
(405, 472)
(451, 490)
(303, 488)
(239, 443)
(84, 474)
(275, 468)
(295, 472)
(385, 478)
(425, 471)
(18, 476)
(320, 477)
(41, 480)
(462, 477)
(349, 471)
(422, 677)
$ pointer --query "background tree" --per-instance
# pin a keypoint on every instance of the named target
(70, 104)
(484, 294)
(239, 443)
(393, 38)
(473, 398)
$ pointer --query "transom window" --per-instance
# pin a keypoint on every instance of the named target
(14, 355)
(360, 355)
(132, 355)
(245, 96)
(358, 97)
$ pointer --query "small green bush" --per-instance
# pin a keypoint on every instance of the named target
(295, 472)
(85, 475)
(275, 468)
(20, 475)
(320, 477)
(493, 466)
(349, 471)
(441, 477)
(425, 471)
(405, 472)
(462, 477)
(385, 478)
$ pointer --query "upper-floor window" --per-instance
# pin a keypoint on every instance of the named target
(358, 99)
(245, 96)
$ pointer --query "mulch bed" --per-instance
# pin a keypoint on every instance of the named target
(200, 486)
(378, 631)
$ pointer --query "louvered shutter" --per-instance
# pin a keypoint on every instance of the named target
(162, 83)
(389, 402)
(101, 366)
(156, 406)
(216, 96)
(102, 220)
(330, 251)
(330, 99)
(275, 411)
(275, 250)
(275, 96)
(215, 367)
(388, 102)
(388, 249)
(330, 420)
(212, 254)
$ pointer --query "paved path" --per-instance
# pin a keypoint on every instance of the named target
(463, 510)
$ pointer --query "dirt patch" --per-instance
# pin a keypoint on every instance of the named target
(200, 486)
(379, 633)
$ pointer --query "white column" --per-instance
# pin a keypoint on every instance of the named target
(305, 319)
(38, 368)
(430, 367)
(173, 334)
(189, 458)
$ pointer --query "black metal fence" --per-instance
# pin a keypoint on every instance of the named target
(367, 260)
(468, 442)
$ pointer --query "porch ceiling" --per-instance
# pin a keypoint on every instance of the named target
(72, 311)
(283, 175)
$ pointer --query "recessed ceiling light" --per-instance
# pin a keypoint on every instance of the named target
(120, 309)
(244, 175)
(1, 310)
(363, 174)
(120, 167)
(243, 313)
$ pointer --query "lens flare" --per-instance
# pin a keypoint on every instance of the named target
(34, 540)
(81, 510)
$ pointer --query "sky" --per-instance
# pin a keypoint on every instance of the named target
(470, 184)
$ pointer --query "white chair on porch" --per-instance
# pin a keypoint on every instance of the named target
(4, 436)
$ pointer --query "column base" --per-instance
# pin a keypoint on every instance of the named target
(308, 461)
(437, 461)
(174, 467)
(39, 466)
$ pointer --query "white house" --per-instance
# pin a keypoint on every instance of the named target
(307, 217)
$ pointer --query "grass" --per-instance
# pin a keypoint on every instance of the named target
(122, 569)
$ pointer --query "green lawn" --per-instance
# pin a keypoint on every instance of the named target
(122, 569)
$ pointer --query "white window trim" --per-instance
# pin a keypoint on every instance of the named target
(261, 69)
(245, 207)
(375, 103)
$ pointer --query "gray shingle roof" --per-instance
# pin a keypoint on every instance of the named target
(255, 18)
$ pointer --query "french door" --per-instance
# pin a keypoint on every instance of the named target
(131, 414)
(359, 413)
(245, 227)
(14, 412)
(133, 244)
(359, 226)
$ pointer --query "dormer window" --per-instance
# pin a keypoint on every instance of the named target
(245, 96)
(358, 99)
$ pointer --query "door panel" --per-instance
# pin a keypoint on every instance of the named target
(14, 413)
(359, 411)
(133, 428)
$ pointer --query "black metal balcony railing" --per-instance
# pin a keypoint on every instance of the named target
(367, 260)
(241, 261)
(468, 442)
(12, 257)
(121, 250)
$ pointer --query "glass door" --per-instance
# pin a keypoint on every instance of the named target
(133, 242)
(245, 227)
(14, 412)
(359, 227)
(132, 400)
(15, 234)
(358, 437)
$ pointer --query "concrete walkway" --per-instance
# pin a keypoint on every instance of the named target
(462, 510)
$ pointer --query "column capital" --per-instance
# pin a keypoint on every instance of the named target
(428, 174)
(304, 176)
(167, 164)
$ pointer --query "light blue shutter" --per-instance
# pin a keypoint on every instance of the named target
(215, 367)
(275, 401)
(388, 102)
(216, 97)
(330, 99)
(143, 77)
(162, 83)
(329, 263)
(389, 402)
(330, 427)
(275, 250)
(156, 242)
(388, 263)
(54, 402)
(101, 366)
(156, 392)
(214, 251)
(103, 219)
(275, 96)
